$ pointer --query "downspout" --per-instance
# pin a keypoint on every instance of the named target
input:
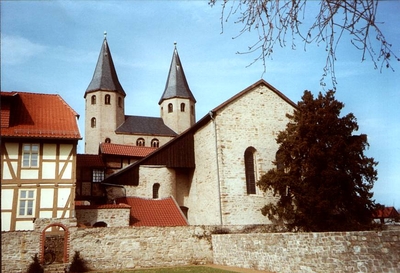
(217, 162)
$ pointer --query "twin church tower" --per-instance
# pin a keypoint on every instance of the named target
(105, 119)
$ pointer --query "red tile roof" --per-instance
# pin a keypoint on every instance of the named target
(125, 150)
(87, 160)
(38, 116)
(78, 205)
(154, 212)
(387, 212)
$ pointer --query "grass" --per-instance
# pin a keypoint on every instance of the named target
(192, 269)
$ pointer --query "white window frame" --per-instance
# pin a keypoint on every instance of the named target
(26, 202)
(31, 154)
(97, 175)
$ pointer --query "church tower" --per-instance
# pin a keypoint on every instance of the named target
(177, 103)
(104, 99)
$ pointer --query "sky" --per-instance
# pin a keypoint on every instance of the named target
(53, 46)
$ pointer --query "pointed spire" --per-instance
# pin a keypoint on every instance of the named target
(104, 76)
(176, 86)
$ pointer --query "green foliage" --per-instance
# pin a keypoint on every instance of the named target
(35, 266)
(78, 264)
(322, 177)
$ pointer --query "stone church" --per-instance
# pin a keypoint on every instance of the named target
(210, 167)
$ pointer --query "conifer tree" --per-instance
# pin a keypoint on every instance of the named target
(322, 178)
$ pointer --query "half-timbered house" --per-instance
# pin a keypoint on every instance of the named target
(39, 136)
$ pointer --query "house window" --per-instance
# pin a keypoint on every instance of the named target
(182, 107)
(26, 202)
(156, 188)
(98, 175)
(107, 99)
(140, 142)
(250, 170)
(170, 108)
(107, 140)
(155, 143)
(30, 155)
(93, 122)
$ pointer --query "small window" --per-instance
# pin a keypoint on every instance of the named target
(250, 170)
(192, 110)
(30, 155)
(156, 188)
(182, 107)
(108, 140)
(26, 203)
(93, 99)
(93, 122)
(98, 175)
(107, 99)
(140, 142)
(119, 101)
(155, 143)
(170, 108)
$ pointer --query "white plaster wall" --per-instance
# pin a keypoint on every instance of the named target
(252, 120)
(148, 175)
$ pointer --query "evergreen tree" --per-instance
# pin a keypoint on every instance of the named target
(322, 178)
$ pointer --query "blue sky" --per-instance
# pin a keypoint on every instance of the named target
(53, 46)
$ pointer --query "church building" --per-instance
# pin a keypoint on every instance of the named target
(210, 168)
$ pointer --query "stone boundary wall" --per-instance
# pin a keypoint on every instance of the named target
(366, 251)
(139, 247)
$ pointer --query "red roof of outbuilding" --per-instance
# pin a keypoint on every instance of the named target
(125, 150)
(154, 212)
(387, 212)
(88, 160)
(38, 116)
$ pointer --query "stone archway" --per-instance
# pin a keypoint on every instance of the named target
(55, 237)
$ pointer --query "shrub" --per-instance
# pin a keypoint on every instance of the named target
(35, 266)
(78, 264)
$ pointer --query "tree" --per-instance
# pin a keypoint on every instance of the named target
(322, 177)
(281, 22)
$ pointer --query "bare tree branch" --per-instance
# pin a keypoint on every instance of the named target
(281, 22)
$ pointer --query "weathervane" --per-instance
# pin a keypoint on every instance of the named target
(105, 34)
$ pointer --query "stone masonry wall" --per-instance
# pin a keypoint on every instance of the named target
(367, 251)
(112, 215)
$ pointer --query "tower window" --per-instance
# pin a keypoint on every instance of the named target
(182, 107)
(140, 142)
(250, 170)
(119, 101)
(93, 122)
(156, 188)
(170, 108)
(93, 99)
(107, 140)
(192, 110)
(155, 143)
(107, 99)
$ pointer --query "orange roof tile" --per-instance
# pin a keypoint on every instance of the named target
(154, 212)
(125, 150)
(387, 212)
(38, 116)
(87, 160)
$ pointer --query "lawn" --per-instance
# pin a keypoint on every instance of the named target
(192, 269)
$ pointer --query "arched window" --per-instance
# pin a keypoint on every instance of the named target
(279, 160)
(100, 224)
(156, 188)
(170, 108)
(93, 99)
(155, 143)
(93, 122)
(182, 107)
(250, 170)
(107, 99)
(108, 140)
(119, 102)
(140, 142)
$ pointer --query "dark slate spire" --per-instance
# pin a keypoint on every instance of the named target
(176, 86)
(105, 77)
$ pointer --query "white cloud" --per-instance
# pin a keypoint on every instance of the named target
(16, 50)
